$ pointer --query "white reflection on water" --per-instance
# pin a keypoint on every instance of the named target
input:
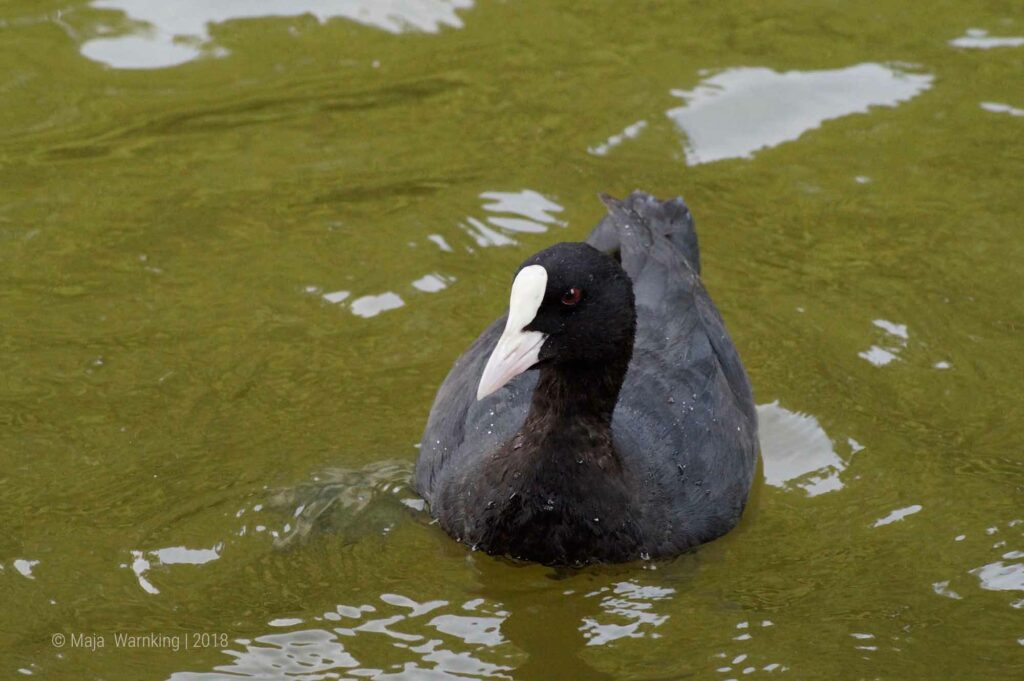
(878, 356)
(336, 296)
(893, 329)
(882, 355)
(998, 573)
(628, 133)
(24, 567)
(179, 555)
(172, 33)
(797, 452)
(441, 243)
(320, 652)
(742, 663)
(431, 283)
(630, 607)
(305, 654)
(942, 589)
(736, 112)
(979, 39)
(528, 204)
(483, 630)
(144, 561)
(1001, 576)
(996, 107)
(484, 236)
(898, 514)
(522, 212)
(371, 306)
(285, 622)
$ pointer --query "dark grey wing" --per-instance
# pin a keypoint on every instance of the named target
(461, 428)
(685, 424)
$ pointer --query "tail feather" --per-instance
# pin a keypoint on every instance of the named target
(671, 219)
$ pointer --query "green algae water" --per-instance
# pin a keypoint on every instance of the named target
(241, 244)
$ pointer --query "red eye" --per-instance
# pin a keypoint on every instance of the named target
(572, 296)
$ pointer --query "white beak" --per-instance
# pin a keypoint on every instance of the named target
(517, 350)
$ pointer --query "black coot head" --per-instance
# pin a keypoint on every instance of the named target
(569, 303)
(587, 312)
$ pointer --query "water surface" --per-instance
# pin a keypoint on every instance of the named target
(242, 242)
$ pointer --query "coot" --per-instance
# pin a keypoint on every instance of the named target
(607, 416)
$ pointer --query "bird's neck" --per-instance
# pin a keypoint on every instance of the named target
(560, 494)
(575, 392)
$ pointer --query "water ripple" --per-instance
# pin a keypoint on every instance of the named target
(739, 111)
(979, 39)
(169, 34)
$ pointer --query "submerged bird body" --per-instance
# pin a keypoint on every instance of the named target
(636, 435)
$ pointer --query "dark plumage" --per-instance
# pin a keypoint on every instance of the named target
(636, 437)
